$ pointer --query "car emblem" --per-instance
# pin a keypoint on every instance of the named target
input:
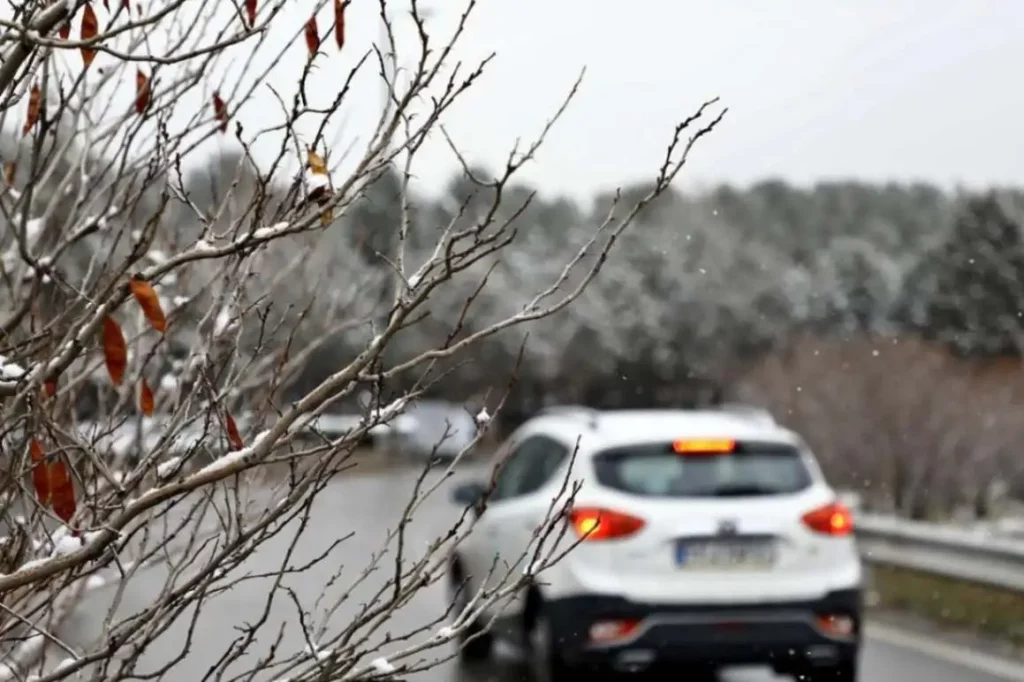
(727, 527)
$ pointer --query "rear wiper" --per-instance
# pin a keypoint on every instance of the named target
(740, 491)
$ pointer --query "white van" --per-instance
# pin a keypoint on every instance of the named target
(440, 428)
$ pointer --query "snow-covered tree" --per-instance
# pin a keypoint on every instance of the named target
(968, 291)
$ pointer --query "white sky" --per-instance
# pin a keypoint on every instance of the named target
(867, 89)
(871, 89)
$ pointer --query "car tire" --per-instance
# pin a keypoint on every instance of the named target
(842, 672)
(475, 642)
(546, 661)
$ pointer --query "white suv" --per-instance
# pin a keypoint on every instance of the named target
(705, 538)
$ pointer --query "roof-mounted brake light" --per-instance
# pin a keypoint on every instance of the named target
(704, 446)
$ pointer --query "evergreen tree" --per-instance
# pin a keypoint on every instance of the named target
(968, 291)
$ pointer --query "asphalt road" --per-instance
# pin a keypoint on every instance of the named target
(367, 505)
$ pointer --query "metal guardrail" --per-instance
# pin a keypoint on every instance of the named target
(948, 552)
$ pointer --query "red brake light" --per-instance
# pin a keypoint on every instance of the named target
(704, 446)
(595, 523)
(832, 519)
(611, 630)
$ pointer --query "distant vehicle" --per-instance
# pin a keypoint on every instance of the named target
(440, 428)
(379, 435)
(706, 539)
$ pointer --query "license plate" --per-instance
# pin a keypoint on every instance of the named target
(733, 554)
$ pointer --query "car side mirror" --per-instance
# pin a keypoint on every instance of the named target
(468, 494)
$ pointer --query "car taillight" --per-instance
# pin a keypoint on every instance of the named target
(838, 624)
(611, 630)
(596, 523)
(832, 519)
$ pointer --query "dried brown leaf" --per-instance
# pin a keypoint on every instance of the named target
(327, 217)
(234, 438)
(115, 350)
(142, 92)
(40, 474)
(147, 299)
(220, 112)
(62, 491)
(312, 37)
(339, 23)
(35, 104)
(316, 164)
(90, 29)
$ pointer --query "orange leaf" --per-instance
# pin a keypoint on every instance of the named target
(234, 438)
(62, 491)
(339, 23)
(149, 302)
(220, 112)
(65, 30)
(10, 170)
(146, 401)
(316, 164)
(142, 92)
(90, 28)
(50, 388)
(115, 351)
(327, 217)
(250, 10)
(40, 475)
(312, 36)
(35, 103)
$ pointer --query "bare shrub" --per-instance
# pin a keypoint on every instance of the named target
(150, 321)
(915, 428)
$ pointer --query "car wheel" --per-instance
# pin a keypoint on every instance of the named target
(474, 641)
(842, 672)
(545, 659)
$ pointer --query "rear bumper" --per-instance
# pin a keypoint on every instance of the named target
(785, 635)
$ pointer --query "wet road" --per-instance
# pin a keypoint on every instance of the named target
(368, 505)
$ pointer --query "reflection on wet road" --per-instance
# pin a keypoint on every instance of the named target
(368, 505)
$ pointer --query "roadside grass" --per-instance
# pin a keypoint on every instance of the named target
(984, 610)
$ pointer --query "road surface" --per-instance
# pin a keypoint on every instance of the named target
(368, 505)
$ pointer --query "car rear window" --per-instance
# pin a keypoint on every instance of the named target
(753, 469)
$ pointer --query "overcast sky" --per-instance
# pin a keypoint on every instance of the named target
(867, 89)
(872, 89)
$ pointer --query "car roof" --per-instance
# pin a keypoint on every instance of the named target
(617, 428)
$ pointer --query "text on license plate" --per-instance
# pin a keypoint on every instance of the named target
(725, 554)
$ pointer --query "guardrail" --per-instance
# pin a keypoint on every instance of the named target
(948, 552)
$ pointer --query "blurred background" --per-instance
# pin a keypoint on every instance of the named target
(844, 250)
